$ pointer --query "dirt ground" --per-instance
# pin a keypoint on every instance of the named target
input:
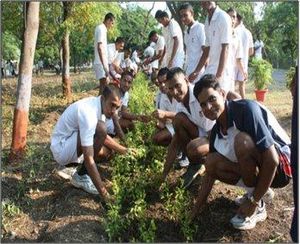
(39, 206)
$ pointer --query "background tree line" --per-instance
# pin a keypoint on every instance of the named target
(278, 28)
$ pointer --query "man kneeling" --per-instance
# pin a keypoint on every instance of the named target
(248, 148)
(81, 130)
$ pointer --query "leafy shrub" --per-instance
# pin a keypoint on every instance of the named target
(261, 73)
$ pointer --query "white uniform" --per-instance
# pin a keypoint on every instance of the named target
(235, 52)
(173, 30)
(166, 105)
(194, 40)
(247, 42)
(100, 37)
(159, 45)
(112, 53)
(80, 118)
(218, 32)
(196, 116)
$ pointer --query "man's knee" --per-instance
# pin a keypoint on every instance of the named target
(197, 149)
(243, 145)
(179, 120)
(210, 163)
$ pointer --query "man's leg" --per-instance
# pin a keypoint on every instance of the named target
(162, 137)
(197, 150)
(242, 88)
(185, 130)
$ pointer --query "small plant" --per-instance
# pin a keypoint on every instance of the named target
(261, 73)
(289, 75)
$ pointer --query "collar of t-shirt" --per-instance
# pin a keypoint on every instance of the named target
(191, 27)
(215, 14)
(229, 120)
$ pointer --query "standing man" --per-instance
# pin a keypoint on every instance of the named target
(218, 34)
(247, 148)
(194, 40)
(259, 48)
(248, 50)
(100, 49)
(174, 56)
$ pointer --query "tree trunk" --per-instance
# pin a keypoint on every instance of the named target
(20, 122)
(66, 80)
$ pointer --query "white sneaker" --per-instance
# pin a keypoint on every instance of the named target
(84, 182)
(65, 172)
(267, 198)
(248, 223)
(184, 162)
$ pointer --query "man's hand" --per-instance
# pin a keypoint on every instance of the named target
(159, 114)
(193, 76)
(132, 151)
(246, 209)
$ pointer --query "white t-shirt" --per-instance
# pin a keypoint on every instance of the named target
(160, 44)
(112, 53)
(196, 115)
(169, 32)
(81, 116)
(247, 43)
(166, 105)
(217, 32)
(194, 40)
(149, 52)
(125, 99)
(101, 37)
(258, 46)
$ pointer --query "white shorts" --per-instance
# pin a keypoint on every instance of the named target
(170, 128)
(110, 127)
(239, 76)
(65, 151)
(99, 71)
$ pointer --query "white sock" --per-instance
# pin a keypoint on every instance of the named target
(241, 183)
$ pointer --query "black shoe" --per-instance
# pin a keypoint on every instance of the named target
(191, 174)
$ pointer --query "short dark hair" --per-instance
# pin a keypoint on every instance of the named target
(111, 89)
(174, 71)
(163, 71)
(161, 14)
(127, 72)
(120, 40)
(186, 6)
(206, 81)
(239, 17)
(151, 34)
(109, 16)
(230, 10)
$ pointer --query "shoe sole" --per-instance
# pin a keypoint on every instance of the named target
(74, 183)
(262, 217)
(191, 181)
(64, 175)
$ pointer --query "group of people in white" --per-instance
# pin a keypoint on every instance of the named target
(211, 129)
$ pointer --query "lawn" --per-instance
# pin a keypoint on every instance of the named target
(38, 206)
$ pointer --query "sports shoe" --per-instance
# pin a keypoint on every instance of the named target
(191, 174)
(248, 223)
(65, 172)
(268, 197)
(184, 162)
(84, 182)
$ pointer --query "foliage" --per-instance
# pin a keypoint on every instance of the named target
(137, 26)
(11, 47)
(135, 176)
(279, 32)
(289, 76)
(261, 73)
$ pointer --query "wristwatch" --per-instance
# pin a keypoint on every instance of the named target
(252, 200)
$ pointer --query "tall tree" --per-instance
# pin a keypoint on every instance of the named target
(66, 80)
(20, 123)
